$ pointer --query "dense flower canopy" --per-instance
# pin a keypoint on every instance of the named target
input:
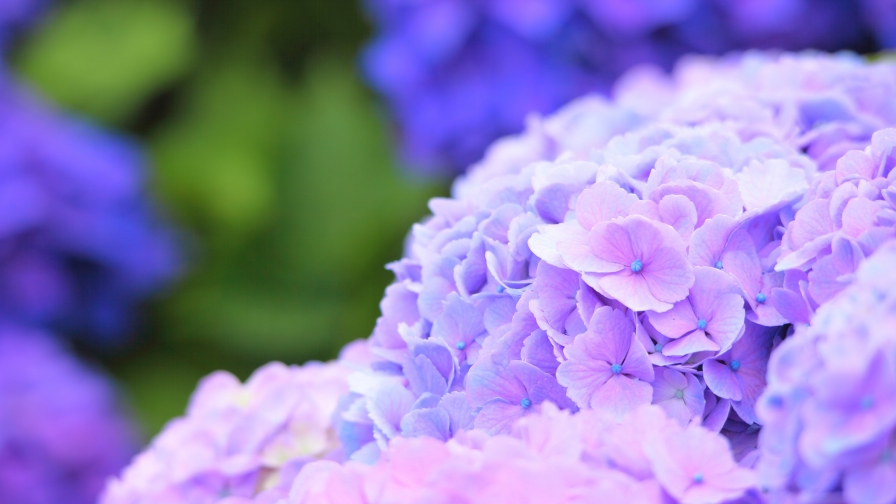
(81, 240)
(62, 430)
(458, 74)
(598, 301)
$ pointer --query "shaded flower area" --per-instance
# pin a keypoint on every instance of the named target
(593, 311)
(458, 74)
(62, 429)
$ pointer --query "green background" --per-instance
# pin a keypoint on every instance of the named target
(266, 150)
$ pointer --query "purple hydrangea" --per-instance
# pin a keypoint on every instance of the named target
(458, 74)
(62, 429)
(829, 411)
(240, 441)
(594, 309)
(639, 270)
(81, 242)
(550, 457)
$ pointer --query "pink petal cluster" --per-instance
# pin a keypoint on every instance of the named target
(549, 458)
(829, 411)
(237, 440)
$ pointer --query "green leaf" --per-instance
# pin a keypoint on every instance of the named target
(105, 58)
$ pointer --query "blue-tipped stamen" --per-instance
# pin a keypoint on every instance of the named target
(460, 345)
(679, 394)
(658, 347)
(698, 478)
(637, 266)
(735, 365)
(616, 368)
(525, 403)
(760, 298)
(701, 324)
(718, 264)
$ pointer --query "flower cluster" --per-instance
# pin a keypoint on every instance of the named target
(849, 213)
(552, 457)
(829, 411)
(62, 431)
(81, 242)
(593, 311)
(637, 277)
(460, 73)
(239, 440)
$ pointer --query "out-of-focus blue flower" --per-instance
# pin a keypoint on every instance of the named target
(62, 430)
(458, 74)
(79, 241)
(829, 412)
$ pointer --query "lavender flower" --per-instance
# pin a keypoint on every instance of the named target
(62, 430)
(589, 273)
(829, 409)
(592, 266)
(459, 74)
(240, 441)
(82, 241)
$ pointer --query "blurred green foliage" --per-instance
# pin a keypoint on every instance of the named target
(105, 57)
(267, 150)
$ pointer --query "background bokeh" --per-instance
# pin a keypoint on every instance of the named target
(268, 153)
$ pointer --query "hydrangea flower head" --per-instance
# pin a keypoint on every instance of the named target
(829, 409)
(241, 440)
(63, 431)
(459, 74)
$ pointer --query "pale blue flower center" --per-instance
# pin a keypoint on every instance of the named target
(735, 365)
(637, 266)
(658, 347)
(698, 478)
(500, 289)
(867, 402)
(460, 345)
(775, 402)
(616, 368)
(718, 264)
(760, 298)
(679, 394)
(701, 324)
(525, 403)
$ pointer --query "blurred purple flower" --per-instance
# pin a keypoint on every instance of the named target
(82, 240)
(829, 408)
(63, 431)
(458, 74)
